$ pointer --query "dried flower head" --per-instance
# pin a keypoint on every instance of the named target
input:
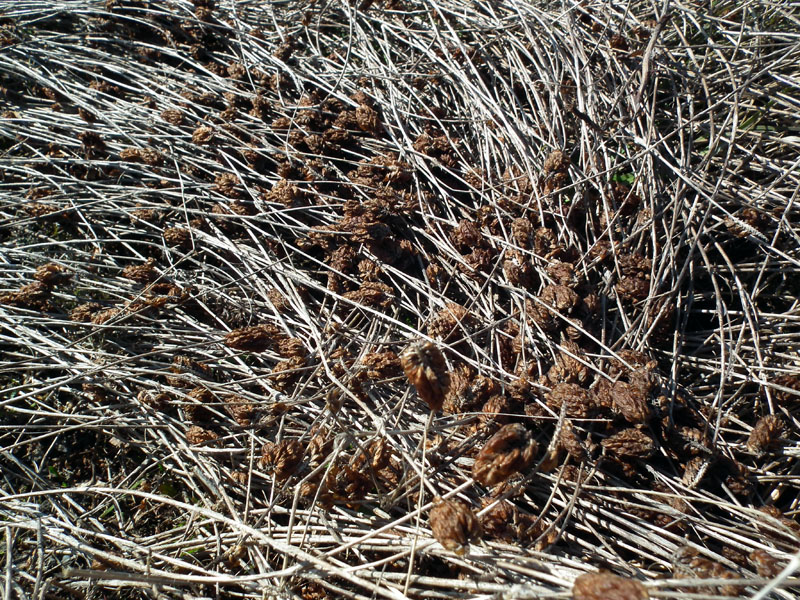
(454, 525)
(141, 273)
(282, 458)
(765, 434)
(257, 338)
(202, 135)
(34, 296)
(688, 564)
(568, 439)
(630, 443)
(630, 401)
(607, 586)
(766, 565)
(425, 367)
(198, 435)
(172, 116)
(178, 237)
(52, 274)
(580, 402)
(240, 409)
(508, 451)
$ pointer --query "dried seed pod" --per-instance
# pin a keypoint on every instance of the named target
(497, 410)
(195, 409)
(499, 521)
(570, 442)
(198, 435)
(292, 347)
(766, 565)
(103, 316)
(380, 454)
(465, 236)
(382, 365)
(373, 294)
(563, 273)
(632, 288)
(451, 323)
(694, 470)
(367, 119)
(51, 274)
(688, 564)
(202, 135)
(141, 273)
(580, 402)
(607, 586)
(791, 392)
(765, 434)
(468, 390)
(569, 366)
(631, 402)
(178, 237)
(556, 162)
(172, 116)
(560, 297)
(257, 338)
(454, 525)
(34, 296)
(83, 312)
(508, 451)
(286, 372)
(282, 458)
(319, 447)
(425, 367)
(240, 409)
(156, 401)
(630, 443)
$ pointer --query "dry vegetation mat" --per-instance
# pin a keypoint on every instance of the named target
(401, 298)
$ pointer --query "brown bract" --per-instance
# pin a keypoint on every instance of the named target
(607, 586)
(765, 434)
(34, 296)
(508, 451)
(425, 367)
(631, 402)
(630, 443)
(580, 402)
(51, 274)
(688, 564)
(282, 458)
(766, 565)
(141, 273)
(454, 525)
(257, 338)
(179, 237)
(198, 435)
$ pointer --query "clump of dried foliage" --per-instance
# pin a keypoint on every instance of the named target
(222, 222)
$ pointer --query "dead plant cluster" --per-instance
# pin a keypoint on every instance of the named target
(399, 299)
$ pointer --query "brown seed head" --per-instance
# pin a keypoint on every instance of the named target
(607, 586)
(198, 435)
(282, 458)
(766, 564)
(580, 402)
(508, 451)
(51, 274)
(454, 525)
(630, 443)
(765, 433)
(144, 273)
(257, 338)
(631, 402)
(425, 367)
